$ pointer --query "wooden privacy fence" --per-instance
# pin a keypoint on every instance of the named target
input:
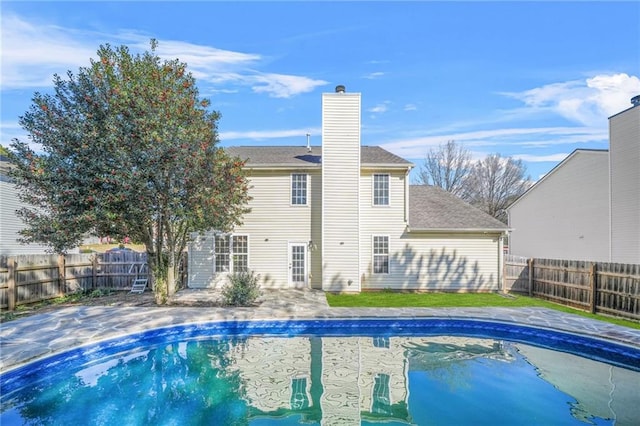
(28, 279)
(597, 287)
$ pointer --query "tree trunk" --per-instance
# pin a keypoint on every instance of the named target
(171, 280)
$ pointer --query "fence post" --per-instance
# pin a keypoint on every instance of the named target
(530, 263)
(94, 272)
(593, 284)
(12, 290)
(62, 275)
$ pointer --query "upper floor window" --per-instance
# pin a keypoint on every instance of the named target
(380, 190)
(299, 189)
(231, 253)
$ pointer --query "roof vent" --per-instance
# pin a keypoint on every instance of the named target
(635, 101)
(340, 89)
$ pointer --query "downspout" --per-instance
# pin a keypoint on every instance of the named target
(406, 196)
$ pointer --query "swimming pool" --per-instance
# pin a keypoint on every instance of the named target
(337, 371)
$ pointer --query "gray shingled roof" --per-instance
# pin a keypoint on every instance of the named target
(299, 156)
(432, 208)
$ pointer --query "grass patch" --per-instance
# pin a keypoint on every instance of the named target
(387, 299)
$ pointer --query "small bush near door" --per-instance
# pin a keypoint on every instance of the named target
(242, 289)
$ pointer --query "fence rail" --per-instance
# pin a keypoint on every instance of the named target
(597, 287)
(28, 279)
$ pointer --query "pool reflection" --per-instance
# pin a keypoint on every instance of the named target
(333, 381)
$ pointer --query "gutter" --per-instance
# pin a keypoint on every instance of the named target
(460, 230)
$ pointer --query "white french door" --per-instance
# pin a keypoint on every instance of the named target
(298, 265)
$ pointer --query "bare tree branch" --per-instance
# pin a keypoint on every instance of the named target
(446, 167)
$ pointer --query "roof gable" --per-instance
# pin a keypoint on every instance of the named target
(576, 153)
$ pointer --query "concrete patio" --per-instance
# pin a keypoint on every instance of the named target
(29, 338)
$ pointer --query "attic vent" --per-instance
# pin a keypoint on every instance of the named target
(635, 101)
(340, 89)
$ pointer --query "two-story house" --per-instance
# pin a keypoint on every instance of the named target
(343, 218)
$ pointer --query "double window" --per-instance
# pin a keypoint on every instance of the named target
(231, 253)
(380, 254)
(299, 189)
(380, 189)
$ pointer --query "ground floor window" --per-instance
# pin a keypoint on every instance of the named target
(380, 254)
(231, 253)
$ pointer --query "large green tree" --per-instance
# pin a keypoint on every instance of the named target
(127, 148)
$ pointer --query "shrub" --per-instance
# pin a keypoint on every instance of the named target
(241, 290)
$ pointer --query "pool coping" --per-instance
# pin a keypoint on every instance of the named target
(38, 336)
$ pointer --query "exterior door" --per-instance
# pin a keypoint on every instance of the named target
(298, 265)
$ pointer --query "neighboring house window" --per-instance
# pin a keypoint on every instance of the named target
(231, 253)
(299, 189)
(380, 190)
(381, 401)
(380, 254)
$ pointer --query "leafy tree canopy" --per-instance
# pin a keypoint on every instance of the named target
(127, 149)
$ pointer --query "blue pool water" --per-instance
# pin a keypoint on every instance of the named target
(332, 372)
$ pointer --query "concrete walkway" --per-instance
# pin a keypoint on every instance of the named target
(27, 339)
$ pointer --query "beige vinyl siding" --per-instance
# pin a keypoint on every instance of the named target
(566, 215)
(340, 189)
(624, 138)
(436, 262)
(10, 224)
(381, 221)
(273, 222)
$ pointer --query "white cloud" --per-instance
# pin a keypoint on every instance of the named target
(588, 102)
(374, 75)
(268, 134)
(33, 51)
(380, 108)
(283, 86)
(410, 107)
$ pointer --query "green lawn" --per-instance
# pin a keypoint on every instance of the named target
(459, 300)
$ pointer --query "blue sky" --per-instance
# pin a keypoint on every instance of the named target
(534, 81)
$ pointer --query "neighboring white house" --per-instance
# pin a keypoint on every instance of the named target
(624, 159)
(588, 206)
(565, 215)
(10, 224)
(343, 218)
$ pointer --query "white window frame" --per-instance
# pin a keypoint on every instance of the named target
(373, 190)
(306, 189)
(374, 255)
(229, 240)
